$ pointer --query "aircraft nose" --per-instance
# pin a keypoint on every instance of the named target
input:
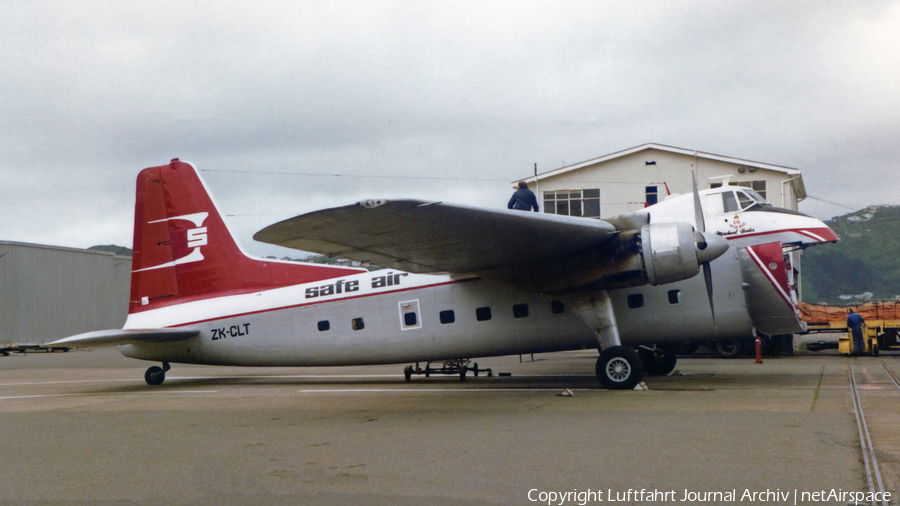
(821, 233)
(710, 246)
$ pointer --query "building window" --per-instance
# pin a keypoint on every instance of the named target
(652, 194)
(483, 314)
(324, 325)
(520, 310)
(447, 317)
(635, 300)
(674, 296)
(358, 324)
(573, 202)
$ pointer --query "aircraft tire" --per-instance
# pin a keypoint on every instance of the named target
(619, 368)
(407, 373)
(729, 348)
(649, 360)
(658, 362)
(666, 359)
(155, 376)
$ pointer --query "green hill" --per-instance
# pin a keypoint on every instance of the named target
(112, 248)
(866, 259)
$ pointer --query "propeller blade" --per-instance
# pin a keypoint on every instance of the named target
(707, 276)
(701, 225)
(698, 209)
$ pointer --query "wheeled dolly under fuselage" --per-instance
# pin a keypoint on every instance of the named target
(448, 367)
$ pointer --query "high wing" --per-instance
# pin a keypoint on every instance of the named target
(125, 336)
(430, 237)
(528, 251)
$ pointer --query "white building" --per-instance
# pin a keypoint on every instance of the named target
(629, 180)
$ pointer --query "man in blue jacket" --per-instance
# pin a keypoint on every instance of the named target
(523, 199)
(855, 322)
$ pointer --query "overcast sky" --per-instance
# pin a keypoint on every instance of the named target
(437, 100)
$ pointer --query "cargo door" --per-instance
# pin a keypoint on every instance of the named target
(770, 296)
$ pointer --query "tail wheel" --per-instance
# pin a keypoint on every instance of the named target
(619, 368)
(155, 376)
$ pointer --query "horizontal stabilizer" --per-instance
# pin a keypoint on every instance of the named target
(125, 336)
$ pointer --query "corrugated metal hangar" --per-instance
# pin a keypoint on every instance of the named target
(50, 292)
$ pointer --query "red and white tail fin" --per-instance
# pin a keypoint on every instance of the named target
(183, 250)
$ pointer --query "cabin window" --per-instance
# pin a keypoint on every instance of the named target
(584, 202)
(358, 324)
(409, 315)
(447, 316)
(652, 195)
(324, 325)
(520, 310)
(483, 314)
(557, 307)
(635, 300)
(674, 296)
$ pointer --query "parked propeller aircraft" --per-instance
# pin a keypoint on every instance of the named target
(460, 282)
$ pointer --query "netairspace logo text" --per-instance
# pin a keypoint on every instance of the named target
(795, 496)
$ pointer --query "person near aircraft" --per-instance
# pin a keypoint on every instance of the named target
(523, 199)
(855, 322)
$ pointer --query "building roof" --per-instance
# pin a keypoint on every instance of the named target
(61, 248)
(794, 174)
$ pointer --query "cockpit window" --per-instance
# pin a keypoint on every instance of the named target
(728, 202)
(741, 199)
(755, 196)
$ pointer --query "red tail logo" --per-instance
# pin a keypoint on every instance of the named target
(183, 250)
(196, 237)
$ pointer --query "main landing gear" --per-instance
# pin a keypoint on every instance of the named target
(156, 375)
(622, 368)
(658, 361)
(619, 368)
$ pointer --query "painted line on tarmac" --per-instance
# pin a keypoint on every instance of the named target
(170, 378)
(431, 390)
(170, 392)
(66, 382)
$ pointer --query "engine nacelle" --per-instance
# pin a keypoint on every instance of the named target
(674, 251)
(657, 253)
(669, 251)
